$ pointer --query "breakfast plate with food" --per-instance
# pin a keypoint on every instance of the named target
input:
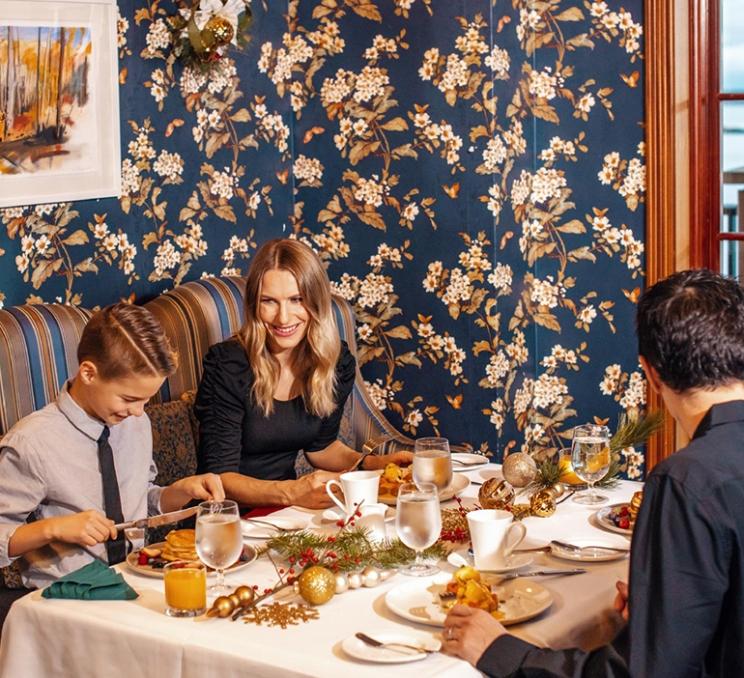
(178, 545)
(616, 518)
(394, 476)
(428, 601)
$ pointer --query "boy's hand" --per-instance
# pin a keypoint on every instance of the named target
(86, 528)
(468, 632)
(207, 487)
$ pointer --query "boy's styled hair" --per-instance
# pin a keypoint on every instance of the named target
(125, 339)
(691, 329)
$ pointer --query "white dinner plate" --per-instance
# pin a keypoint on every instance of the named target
(261, 530)
(459, 483)
(513, 562)
(418, 601)
(385, 655)
(469, 461)
(591, 550)
(248, 555)
(604, 520)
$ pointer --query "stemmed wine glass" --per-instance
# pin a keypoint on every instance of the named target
(432, 462)
(418, 523)
(219, 542)
(590, 458)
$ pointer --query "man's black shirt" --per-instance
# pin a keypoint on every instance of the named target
(686, 572)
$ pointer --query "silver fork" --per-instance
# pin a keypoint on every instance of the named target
(392, 646)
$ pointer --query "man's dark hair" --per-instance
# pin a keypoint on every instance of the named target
(691, 329)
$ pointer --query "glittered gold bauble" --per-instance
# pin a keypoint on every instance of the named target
(245, 595)
(557, 490)
(222, 607)
(317, 585)
(495, 493)
(542, 504)
(519, 469)
(217, 32)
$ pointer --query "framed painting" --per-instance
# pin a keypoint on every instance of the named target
(59, 101)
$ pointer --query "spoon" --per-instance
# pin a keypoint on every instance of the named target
(392, 645)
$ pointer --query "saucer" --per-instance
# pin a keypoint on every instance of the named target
(334, 514)
(514, 562)
(383, 655)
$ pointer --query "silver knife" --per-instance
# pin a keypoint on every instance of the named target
(162, 519)
(542, 573)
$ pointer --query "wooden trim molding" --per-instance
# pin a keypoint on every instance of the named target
(661, 154)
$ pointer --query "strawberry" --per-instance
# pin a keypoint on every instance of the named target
(624, 523)
(142, 558)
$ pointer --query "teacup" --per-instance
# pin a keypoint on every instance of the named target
(356, 487)
(491, 532)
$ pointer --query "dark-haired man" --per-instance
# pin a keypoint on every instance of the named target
(686, 606)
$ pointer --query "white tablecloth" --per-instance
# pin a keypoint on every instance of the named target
(69, 638)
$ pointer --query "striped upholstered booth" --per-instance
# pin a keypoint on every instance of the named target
(38, 345)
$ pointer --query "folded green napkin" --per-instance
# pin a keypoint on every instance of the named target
(94, 581)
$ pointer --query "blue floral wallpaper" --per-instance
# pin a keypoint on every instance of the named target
(472, 172)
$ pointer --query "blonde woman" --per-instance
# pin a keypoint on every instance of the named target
(279, 386)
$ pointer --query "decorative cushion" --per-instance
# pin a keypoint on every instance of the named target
(12, 576)
(173, 444)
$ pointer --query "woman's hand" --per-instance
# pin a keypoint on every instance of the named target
(468, 632)
(309, 491)
(380, 461)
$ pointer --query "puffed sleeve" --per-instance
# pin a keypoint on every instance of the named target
(220, 407)
(345, 374)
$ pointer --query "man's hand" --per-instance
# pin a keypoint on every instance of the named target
(379, 461)
(468, 632)
(621, 599)
(309, 491)
(86, 528)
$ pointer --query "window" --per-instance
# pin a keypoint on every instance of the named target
(717, 153)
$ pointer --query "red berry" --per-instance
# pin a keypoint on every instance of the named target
(142, 558)
(624, 523)
(624, 511)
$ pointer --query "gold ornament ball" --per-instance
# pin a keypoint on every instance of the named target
(495, 494)
(245, 595)
(222, 607)
(317, 585)
(542, 504)
(219, 31)
(557, 490)
(519, 469)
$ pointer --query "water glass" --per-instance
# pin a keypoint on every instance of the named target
(418, 522)
(219, 541)
(185, 588)
(432, 462)
(590, 458)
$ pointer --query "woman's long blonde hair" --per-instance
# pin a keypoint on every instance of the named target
(316, 356)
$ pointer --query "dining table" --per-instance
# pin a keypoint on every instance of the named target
(135, 639)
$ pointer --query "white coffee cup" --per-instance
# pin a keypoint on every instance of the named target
(373, 520)
(357, 487)
(491, 532)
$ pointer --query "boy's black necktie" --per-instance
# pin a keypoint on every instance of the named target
(115, 548)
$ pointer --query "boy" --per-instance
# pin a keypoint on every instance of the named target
(686, 602)
(84, 462)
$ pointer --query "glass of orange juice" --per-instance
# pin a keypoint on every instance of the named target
(185, 588)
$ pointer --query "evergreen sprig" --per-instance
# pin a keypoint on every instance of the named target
(349, 549)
